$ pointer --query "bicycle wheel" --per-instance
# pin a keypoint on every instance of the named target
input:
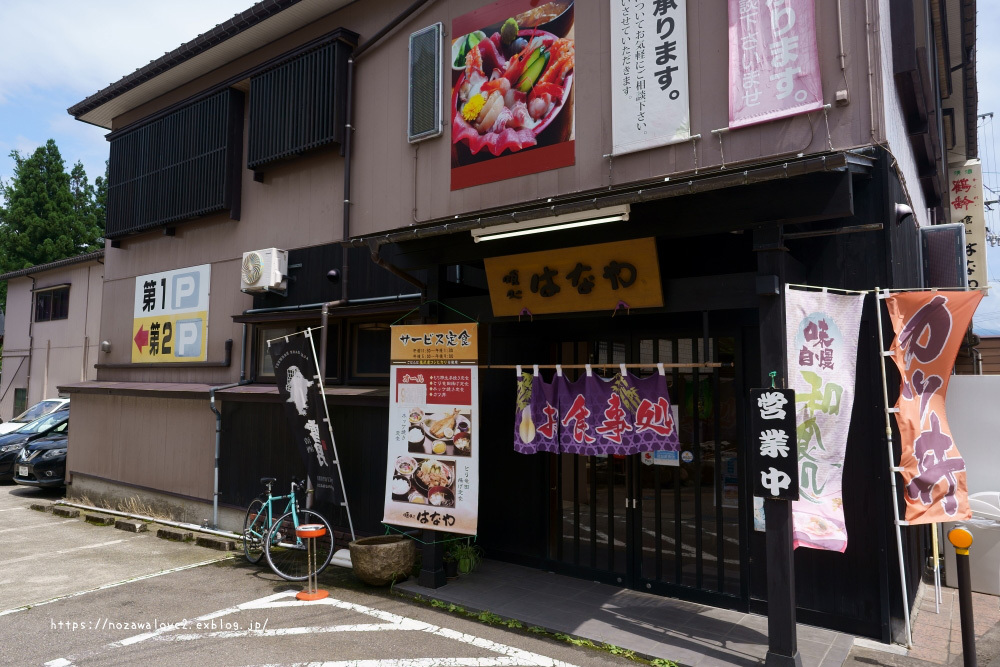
(286, 554)
(255, 529)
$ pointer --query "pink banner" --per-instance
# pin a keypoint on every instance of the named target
(773, 62)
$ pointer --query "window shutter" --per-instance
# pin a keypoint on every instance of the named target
(424, 118)
(942, 256)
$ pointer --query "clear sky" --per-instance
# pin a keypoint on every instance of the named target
(55, 53)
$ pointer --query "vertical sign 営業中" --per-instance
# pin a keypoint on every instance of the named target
(965, 193)
(170, 316)
(432, 476)
(649, 68)
(773, 438)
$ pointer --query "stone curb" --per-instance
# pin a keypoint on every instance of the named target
(66, 512)
(131, 526)
(217, 543)
(99, 519)
(41, 507)
(174, 535)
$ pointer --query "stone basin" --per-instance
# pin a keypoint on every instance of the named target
(383, 559)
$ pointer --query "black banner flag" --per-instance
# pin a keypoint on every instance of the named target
(299, 388)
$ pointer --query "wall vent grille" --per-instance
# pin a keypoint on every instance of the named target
(424, 117)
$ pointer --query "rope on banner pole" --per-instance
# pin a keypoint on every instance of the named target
(892, 474)
(827, 289)
(389, 528)
(307, 331)
(407, 314)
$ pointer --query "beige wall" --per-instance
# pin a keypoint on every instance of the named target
(158, 443)
(306, 195)
(299, 203)
(61, 351)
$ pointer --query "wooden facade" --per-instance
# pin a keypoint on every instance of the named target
(826, 201)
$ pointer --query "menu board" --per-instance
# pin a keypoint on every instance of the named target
(432, 476)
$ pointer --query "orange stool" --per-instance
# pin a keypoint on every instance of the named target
(309, 532)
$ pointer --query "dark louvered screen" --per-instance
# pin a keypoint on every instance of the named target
(425, 84)
(299, 105)
(183, 165)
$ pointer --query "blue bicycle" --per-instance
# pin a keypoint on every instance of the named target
(276, 539)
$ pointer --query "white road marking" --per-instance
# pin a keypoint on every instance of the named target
(39, 525)
(59, 662)
(11, 509)
(411, 662)
(509, 655)
(62, 551)
(112, 585)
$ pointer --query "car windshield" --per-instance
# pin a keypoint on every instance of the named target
(45, 423)
(37, 410)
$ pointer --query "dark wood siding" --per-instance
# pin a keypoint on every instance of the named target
(298, 105)
(177, 167)
(256, 443)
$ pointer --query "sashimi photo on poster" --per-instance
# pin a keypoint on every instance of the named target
(513, 73)
(432, 479)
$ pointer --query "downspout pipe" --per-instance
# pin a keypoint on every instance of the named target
(346, 152)
(31, 347)
(218, 446)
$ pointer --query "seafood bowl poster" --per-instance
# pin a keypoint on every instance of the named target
(512, 110)
(432, 478)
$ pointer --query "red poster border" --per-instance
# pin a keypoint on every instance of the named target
(523, 163)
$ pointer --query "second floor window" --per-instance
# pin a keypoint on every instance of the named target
(52, 304)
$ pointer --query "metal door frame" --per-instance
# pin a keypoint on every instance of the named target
(631, 576)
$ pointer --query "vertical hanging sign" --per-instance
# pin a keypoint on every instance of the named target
(822, 351)
(773, 60)
(432, 477)
(649, 74)
(965, 181)
(772, 432)
(929, 328)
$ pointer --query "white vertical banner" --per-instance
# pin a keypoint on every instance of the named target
(965, 194)
(649, 74)
(822, 332)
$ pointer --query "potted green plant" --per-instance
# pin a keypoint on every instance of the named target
(467, 555)
(450, 565)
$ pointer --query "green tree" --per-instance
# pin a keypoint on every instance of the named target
(46, 214)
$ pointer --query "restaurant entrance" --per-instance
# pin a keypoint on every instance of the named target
(640, 522)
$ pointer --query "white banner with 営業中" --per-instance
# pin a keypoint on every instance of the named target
(649, 74)
(822, 332)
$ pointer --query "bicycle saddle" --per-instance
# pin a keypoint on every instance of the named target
(268, 480)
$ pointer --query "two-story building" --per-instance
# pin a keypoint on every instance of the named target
(53, 323)
(391, 148)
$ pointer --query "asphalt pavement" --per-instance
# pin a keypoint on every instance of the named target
(78, 594)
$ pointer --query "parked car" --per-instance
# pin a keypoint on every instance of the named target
(12, 443)
(42, 462)
(37, 410)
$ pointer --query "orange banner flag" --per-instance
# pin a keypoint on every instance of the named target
(929, 328)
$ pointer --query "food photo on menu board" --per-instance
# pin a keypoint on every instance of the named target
(441, 431)
(424, 481)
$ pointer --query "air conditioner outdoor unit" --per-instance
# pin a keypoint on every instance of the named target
(264, 271)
